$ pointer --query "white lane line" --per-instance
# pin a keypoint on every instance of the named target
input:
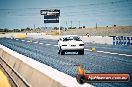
(28, 41)
(106, 52)
(87, 49)
(55, 45)
(23, 40)
(40, 43)
(117, 54)
(122, 54)
(100, 51)
(17, 39)
(113, 53)
(128, 55)
(35, 42)
(47, 44)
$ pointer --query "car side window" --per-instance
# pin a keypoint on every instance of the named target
(77, 38)
(66, 39)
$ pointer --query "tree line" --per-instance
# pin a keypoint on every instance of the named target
(30, 29)
(15, 30)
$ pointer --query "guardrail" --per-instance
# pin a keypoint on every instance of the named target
(15, 78)
(36, 73)
(122, 40)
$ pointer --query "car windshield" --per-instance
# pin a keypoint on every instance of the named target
(72, 38)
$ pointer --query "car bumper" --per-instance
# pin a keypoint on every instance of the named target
(72, 48)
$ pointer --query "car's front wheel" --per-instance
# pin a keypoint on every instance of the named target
(81, 52)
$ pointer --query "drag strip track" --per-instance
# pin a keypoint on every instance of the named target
(107, 59)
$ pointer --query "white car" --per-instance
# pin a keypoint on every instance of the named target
(70, 43)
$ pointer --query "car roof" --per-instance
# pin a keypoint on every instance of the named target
(69, 36)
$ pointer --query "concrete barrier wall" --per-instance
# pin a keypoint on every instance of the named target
(98, 39)
(7, 35)
(36, 35)
(33, 76)
(35, 73)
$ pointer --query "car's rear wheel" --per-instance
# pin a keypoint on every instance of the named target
(81, 52)
(62, 52)
(59, 51)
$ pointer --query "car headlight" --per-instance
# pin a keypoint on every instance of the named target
(81, 44)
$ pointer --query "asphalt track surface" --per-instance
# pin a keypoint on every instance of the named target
(107, 58)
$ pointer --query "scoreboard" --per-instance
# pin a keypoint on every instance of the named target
(51, 16)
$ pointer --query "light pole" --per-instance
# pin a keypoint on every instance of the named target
(79, 24)
(71, 24)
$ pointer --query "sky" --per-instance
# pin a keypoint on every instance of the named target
(26, 13)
